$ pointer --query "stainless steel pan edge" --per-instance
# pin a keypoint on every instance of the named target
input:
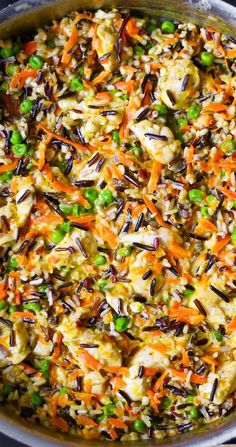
(24, 16)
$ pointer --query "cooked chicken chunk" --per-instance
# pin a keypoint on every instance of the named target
(17, 353)
(180, 79)
(226, 376)
(162, 149)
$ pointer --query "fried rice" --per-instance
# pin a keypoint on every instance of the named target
(117, 226)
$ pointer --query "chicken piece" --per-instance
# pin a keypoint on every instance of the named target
(150, 358)
(106, 41)
(106, 352)
(67, 104)
(211, 303)
(147, 237)
(23, 206)
(137, 269)
(163, 149)
(13, 354)
(181, 79)
(65, 258)
(43, 348)
(96, 381)
(135, 386)
(226, 376)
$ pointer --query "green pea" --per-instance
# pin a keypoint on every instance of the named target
(6, 52)
(165, 403)
(33, 306)
(77, 209)
(51, 43)
(190, 399)
(65, 227)
(42, 288)
(11, 69)
(29, 166)
(161, 108)
(194, 413)
(228, 146)
(81, 71)
(35, 62)
(123, 252)
(16, 137)
(168, 27)
(193, 111)
(207, 59)
(105, 197)
(6, 389)
(57, 236)
(138, 50)
(210, 199)
(12, 309)
(12, 264)
(148, 46)
(109, 410)
(100, 260)
(2, 305)
(19, 149)
(140, 426)
(121, 324)
(204, 211)
(36, 400)
(91, 195)
(16, 48)
(151, 27)
(65, 208)
(188, 292)
(125, 96)
(26, 105)
(182, 122)
(76, 85)
(136, 150)
(218, 336)
(63, 391)
(6, 176)
(116, 137)
(31, 151)
(3, 87)
(44, 367)
(103, 285)
(233, 236)
(195, 195)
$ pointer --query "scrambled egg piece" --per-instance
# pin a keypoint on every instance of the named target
(163, 149)
(172, 77)
(13, 354)
(226, 383)
(106, 352)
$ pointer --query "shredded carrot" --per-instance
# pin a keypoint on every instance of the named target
(215, 107)
(89, 360)
(116, 423)
(195, 378)
(19, 79)
(185, 314)
(66, 56)
(24, 314)
(131, 27)
(152, 208)
(103, 96)
(60, 423)
(185, 358)
(159, 382)
(30, 47)
(155, 174)
(3, 292)
(84, 420)
(232, 325)
(158, 347)
(228, 193)
(125, 86)
(221, 243)
(8, 167)
(64, 140)
(106, 234)
(177, 251)
(231, 54)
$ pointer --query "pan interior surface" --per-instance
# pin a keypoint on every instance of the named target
(25, 16)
